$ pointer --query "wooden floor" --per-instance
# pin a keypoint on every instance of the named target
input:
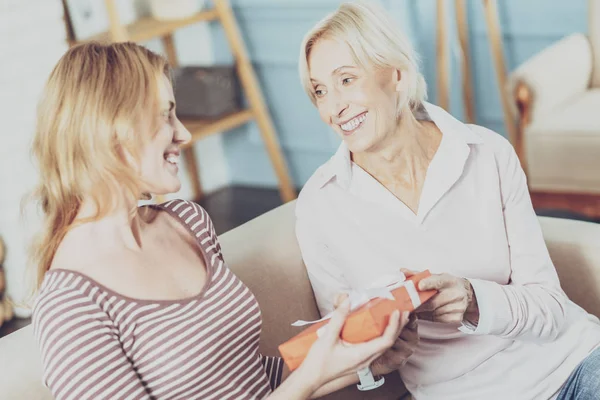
(232, 206)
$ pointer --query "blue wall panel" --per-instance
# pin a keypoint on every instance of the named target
(273, 30)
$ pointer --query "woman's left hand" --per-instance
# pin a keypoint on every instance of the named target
(455, 301)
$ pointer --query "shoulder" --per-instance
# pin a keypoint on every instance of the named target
(190, 214)
(312, 191)
(493, 141)
(65, 298)
(183, 209)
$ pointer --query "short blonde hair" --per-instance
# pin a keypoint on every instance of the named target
(374, 40)
(94, 108)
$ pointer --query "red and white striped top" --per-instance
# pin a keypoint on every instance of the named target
(98, 344)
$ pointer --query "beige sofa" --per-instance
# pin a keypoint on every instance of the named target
(264, 254)
(557, 97)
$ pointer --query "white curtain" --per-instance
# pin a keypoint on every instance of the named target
(32, 39)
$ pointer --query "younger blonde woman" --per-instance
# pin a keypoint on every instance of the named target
(138, 303)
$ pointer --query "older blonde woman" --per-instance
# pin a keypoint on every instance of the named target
(137, 303)
(412, 187)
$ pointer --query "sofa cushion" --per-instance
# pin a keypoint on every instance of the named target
(21, 368)
(574, 247)
(563, 148)
(264, 254)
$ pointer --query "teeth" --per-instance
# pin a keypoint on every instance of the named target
(172, 158)
(353, 123)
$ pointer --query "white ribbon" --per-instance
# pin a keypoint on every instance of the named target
(358, 298)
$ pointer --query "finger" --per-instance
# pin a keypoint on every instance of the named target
(412, 322)
(451, 307)
(409, 334)
(425, 307)
(395, 324)
(449, 318)
(426, 315)
(334, 327)
(407, 272)
(401, 347)
(450, 313)
(373, 349)
(436, 282)
(404, 320)
(443, 298)
(339, 299)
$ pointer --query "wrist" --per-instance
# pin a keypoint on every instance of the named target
(377, 369)
(308, 380)
(472, 312)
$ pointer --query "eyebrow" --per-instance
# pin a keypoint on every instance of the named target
(335, 71)
(339, 69)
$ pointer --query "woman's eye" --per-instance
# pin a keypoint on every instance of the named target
(346, 81)
(319, 93)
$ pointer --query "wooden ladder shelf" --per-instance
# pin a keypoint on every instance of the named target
(148, 28)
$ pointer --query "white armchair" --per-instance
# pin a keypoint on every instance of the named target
(557, 99)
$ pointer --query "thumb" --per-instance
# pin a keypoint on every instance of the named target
(336, 323)
(407, 272)
(434, 282)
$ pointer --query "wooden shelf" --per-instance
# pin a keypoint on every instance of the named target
(149, 28)
(203, 128)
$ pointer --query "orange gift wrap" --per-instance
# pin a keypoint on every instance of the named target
(363, 324)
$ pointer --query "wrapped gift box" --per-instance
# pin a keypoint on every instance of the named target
(363, 324)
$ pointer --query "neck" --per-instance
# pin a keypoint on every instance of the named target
(118, 225)
(404, 154)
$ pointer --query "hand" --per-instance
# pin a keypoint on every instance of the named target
(330, 358)
(396, 356)
(455, 301)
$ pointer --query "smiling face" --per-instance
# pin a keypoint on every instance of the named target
(359, 104)
(160, 157)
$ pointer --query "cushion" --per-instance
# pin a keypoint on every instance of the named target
(563, 147)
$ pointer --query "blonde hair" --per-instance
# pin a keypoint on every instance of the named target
(374, 40)
(90, 115)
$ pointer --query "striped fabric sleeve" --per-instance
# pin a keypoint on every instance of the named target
(274, 369)
(82, 357)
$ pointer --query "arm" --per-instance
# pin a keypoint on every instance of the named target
(326, 278)
(81, 354)
(532, 306)
(570, 58)
(275, 369)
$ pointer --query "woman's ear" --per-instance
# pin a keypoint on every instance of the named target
(398, 79)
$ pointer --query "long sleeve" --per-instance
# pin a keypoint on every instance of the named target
(532, 307)
(82, 357)
(325, 276)
(273, 368)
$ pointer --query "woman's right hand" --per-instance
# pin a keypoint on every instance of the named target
(330, 357)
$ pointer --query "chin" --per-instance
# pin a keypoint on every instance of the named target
(358, 145)
(166, 188)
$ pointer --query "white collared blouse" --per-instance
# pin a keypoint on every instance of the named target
(475, 220)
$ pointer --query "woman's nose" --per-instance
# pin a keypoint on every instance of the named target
(182, 135)
(338, 106)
